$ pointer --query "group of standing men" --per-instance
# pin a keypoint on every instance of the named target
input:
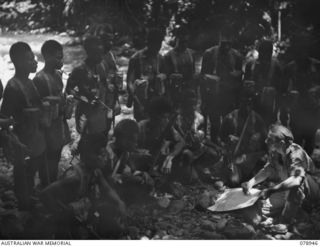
(168, 141)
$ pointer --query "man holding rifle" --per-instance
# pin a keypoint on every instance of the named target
(198, 153)
(242, 134)
(86, 82)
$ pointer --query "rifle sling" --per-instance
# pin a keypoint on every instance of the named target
(242, 134)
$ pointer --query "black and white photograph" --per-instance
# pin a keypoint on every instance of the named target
(159, 120)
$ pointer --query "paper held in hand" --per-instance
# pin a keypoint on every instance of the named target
(233, 199)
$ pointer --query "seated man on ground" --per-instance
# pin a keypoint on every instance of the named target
(197, 150)
(242, 133)
(127, 175)
(83, 193)
(158, 135)
(290, 175)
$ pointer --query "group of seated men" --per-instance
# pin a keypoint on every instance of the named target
(174, 109)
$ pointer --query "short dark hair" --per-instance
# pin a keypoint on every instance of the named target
(18, 50)
(159, 106)
(50, 47)
(154, 35)
(126, 128)
(101, 29)
(91, 41)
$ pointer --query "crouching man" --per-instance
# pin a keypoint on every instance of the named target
(83, 197)
(129, 178)
(158, 135)
(291, 175)
(242, 133)
(198, 153)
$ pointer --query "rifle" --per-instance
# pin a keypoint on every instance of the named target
(117, 166)
(205, 141)
(235, 152)
(157, 147)
(84, 99)
(230, 161)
